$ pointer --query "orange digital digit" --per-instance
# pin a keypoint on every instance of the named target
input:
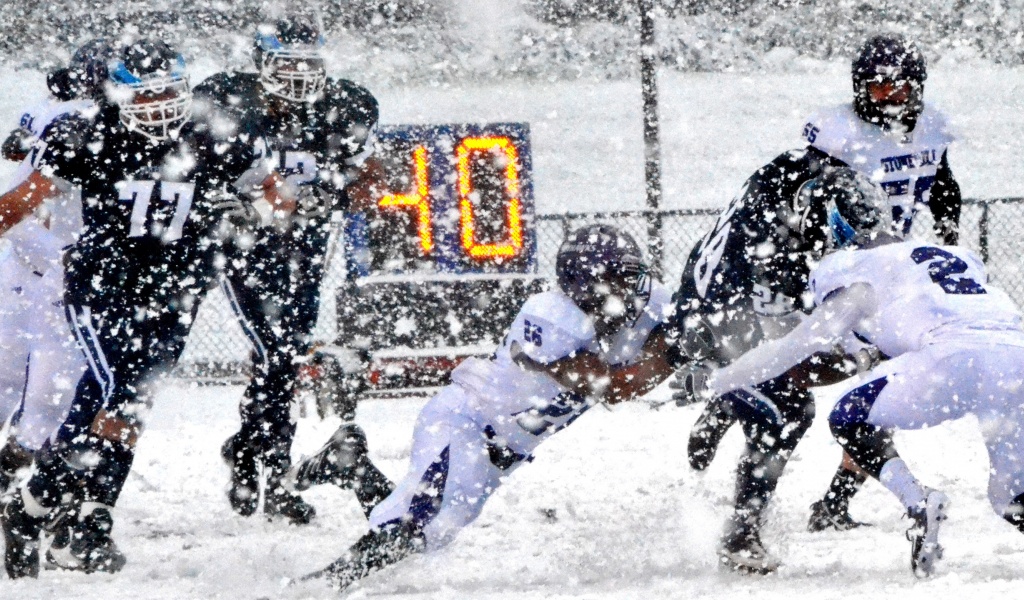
(418, 199)
(513, 243)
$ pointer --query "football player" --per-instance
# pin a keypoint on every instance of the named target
(567, 349)
(891, 135)
(161, 205)
(956, 345)
(40, 363)
(320, 130)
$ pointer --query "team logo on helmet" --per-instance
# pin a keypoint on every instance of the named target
(856, 210)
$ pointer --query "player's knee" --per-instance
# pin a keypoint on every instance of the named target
(854, 407)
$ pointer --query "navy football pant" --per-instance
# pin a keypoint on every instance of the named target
(126, 349)
(276, 297)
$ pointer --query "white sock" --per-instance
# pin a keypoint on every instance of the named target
(898, 479)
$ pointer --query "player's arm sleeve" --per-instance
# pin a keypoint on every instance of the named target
(833, 318)
(945, 202)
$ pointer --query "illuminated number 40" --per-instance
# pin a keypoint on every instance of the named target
(418, 199)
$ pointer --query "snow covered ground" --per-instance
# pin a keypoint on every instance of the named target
(610, 508)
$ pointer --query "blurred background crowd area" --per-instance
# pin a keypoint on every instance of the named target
(423, 41)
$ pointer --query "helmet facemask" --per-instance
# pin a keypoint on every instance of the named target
(294, 74)
(888, 82)
(156, 104)
(603, 273)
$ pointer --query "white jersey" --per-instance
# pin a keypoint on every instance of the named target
(524, 407)
(39, 246)
(903, 164)
(924, 294)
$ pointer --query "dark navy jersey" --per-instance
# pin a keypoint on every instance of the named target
(148, 209)
(751, 261)
(322, 143)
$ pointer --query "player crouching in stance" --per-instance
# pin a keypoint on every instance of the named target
(956, 346)
(567, 350)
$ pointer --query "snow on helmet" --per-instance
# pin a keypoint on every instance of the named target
(151, 89)
(602, 270)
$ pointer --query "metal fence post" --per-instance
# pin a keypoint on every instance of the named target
(983, 231)
(652, 145)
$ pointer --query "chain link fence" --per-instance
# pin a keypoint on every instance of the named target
(218, 351)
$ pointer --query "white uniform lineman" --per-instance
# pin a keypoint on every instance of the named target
(903, 164)
(956, 343)
(40, 362)
(494, 414)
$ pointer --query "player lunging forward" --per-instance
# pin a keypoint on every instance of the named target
(567, 350)
(162, 201)
(956, 345)
(320, 130)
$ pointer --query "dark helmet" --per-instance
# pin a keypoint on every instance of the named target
(856, 210)
(897, 69)
(602, 270)
(289, 57)
(151, 88)
(86, 73)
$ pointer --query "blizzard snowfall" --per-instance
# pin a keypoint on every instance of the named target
(610, 508)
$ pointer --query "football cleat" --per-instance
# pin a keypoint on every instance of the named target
(13, 458)
(279, 502)
(85, 545)
(244, 492)
(923, 534)
(21, 539)
(825, 518)
(337, 462)
(377, 549)
(707, 434)
(744, 553)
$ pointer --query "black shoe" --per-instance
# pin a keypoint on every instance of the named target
(707, 434)
(244, 493)
(279, 502)
(375, 550)
(85, 545)
(13, 458)
(923, 534)
(337, 462)
(825, 518)
(21, 539)
(743, 552)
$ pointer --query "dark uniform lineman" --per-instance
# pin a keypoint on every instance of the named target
(161, 207)
(320, 131)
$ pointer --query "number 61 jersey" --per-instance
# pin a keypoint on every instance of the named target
(148, 207)
(924, 294)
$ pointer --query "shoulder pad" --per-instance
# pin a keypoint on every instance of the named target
(932, 122)
(349, 102)
(555, 307)
(831, 130)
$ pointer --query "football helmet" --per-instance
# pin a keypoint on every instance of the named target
(288, 55)
(151, 89)
(888, 81)
(86, 73)
(856, 210)
(602, 270)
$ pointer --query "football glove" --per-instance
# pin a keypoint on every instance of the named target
(691, 384)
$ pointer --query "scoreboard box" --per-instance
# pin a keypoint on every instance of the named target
(439, 265)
